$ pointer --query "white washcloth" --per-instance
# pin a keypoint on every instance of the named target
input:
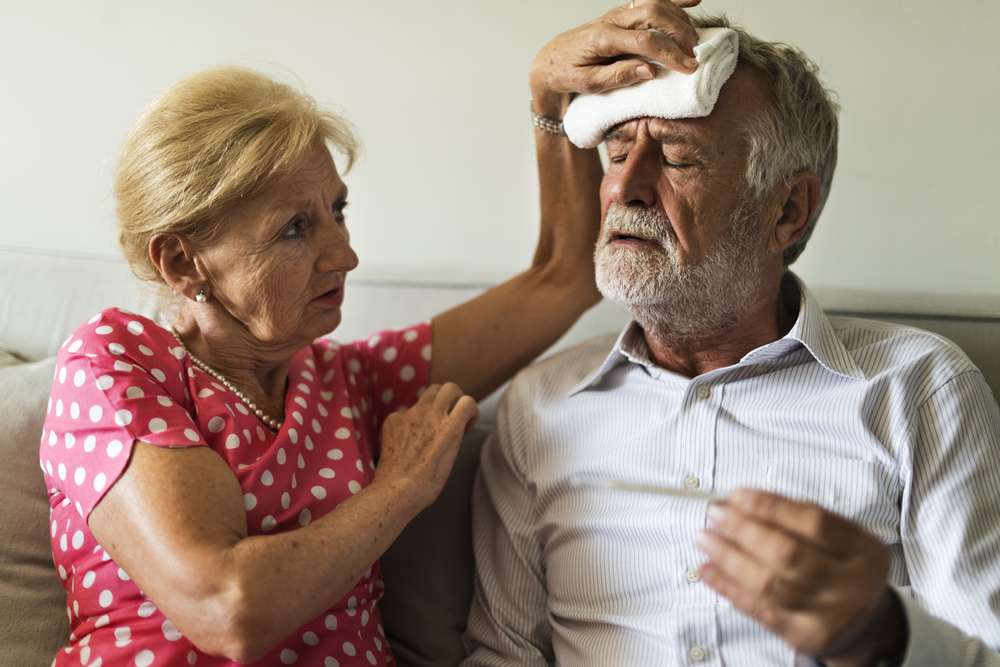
(669, 94)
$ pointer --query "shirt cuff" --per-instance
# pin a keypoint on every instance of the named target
(932, 642)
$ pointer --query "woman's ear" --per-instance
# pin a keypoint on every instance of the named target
(176, 260)
(801, 199)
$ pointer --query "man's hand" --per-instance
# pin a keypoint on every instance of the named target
(589, 59)
(811, 577)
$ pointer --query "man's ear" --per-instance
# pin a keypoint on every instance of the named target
(801, 197)
(176, 260)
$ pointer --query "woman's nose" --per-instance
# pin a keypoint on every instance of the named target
(336, 253)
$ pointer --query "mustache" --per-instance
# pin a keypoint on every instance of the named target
(638, 221)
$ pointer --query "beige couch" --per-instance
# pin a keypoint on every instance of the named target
(44, 296)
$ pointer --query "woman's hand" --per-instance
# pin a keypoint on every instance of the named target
(420, 445)
(589, 59)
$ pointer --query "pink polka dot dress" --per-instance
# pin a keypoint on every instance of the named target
(121, 378)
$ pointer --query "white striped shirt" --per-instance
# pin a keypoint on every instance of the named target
(890, 426)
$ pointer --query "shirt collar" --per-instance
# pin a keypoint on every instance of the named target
(811, 330)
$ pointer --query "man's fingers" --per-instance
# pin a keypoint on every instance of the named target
(666, 18)
(807, 520)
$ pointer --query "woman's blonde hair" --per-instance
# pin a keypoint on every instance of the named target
(205, 143)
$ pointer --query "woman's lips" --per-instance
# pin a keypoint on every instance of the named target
(333, 298)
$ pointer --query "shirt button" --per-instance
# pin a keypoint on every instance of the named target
(692, 482)
(696, 653)
(704, 392)
(692, 575)
(655, 373)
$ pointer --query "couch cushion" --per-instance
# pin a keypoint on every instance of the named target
(428, 571)
(33, 620)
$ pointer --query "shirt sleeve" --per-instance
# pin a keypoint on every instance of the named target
(395, 367)
(508, 621)
(117, 380)
(951, 528)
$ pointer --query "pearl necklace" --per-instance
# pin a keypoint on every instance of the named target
(272, 424)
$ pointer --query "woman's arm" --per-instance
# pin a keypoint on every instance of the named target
(176, 522)
(483, 342)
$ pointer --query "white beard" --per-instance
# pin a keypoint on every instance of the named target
(670, 300)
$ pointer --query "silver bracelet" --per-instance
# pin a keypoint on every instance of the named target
(546, 125)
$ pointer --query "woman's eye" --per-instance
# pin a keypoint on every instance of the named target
(295, 228)
(338, 210)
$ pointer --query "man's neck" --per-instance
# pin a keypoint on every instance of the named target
(692, 357)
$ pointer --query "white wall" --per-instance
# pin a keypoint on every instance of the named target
(438, 90)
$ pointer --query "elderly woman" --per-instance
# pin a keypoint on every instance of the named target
(222, 490)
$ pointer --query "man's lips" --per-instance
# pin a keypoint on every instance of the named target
(627, 238)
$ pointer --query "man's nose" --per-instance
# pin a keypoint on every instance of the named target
(633, 182)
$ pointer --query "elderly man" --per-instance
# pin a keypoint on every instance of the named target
(873, 534)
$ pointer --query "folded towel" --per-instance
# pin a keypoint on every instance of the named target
(669, 94)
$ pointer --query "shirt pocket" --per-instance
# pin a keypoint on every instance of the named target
(863, 491)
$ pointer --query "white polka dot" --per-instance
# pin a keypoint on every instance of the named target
(164, 401)
(364, 617)
(378, 643)
(123, 575)
(62, 471)
(85, 651)
(114, 448)
(76, 346)
(310, 638)
(327, 395)
(411, 335)
(387, 396)
(309, 444)
(62, 571)
(267, 479)
(74, 410)
(389, 354)
(146, 609)
(144, 658)
(96, 413)
(319, 492)
(301, 462)
(249, 501)
(301, 401)
(192, 657)
(159, 375)
(99, 482)
(316, 426)
(353, 486)
(205, 393)
(335, 454)
(342, 433)
(268, 523)
(62, 375)
(145, 350)
(79, 378)
(70, 440)
(298, 417)
(134, 392)
(80, 476)
(216, 424)
(307, 375)
(78, 539)
(331, 662)
(170, 631)
(426, 352)
(260, 434)
(360, 466)
(191, 435)
(242, 408)
(304, 388)
(116, 348)
(88, 579)
(102, 621)
(281, 456)
(232, 441)
(48, 467)
(135, 327)
(157, 425)
(106, 599)
(104, 331)
(406, 373)
(346, 412)
(53, 438)
(178, 352)
(123, 634)
(349, 649)
(123, 417)
(59, 408)
(322, 410)
(326, 473)
(305, 516)
(288, 656)
(370, 656)
(122, 366)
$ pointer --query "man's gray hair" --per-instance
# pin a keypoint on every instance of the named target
(797, 131)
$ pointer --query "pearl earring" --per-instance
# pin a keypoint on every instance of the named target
(200, 297)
